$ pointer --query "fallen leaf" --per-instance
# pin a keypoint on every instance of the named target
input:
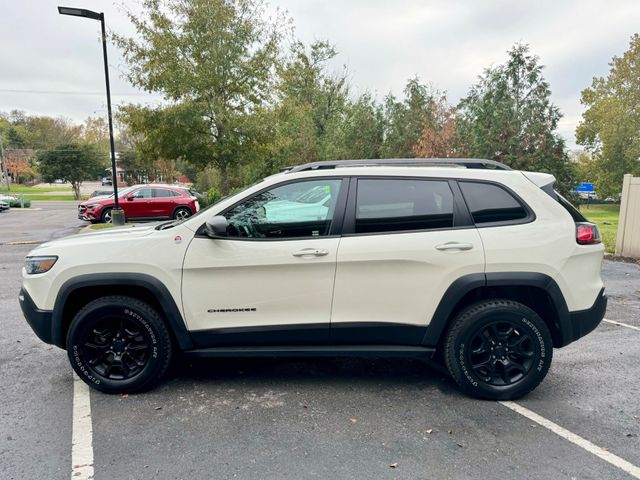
(125, 395)
(450, 432)
(354, 420)
(430, 430)
(394, 465)
(158, 408)
(604, 449)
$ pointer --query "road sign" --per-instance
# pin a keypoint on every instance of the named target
(585, 187)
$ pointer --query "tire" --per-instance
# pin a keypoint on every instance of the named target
(182, 213)
(102, 336)
(105, 217)
(498, 350)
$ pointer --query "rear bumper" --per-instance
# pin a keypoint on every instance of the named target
(585, 321)
(40, 321)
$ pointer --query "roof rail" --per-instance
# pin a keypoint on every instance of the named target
(400, 162)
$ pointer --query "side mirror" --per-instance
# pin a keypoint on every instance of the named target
(216, 227)
(130, 197)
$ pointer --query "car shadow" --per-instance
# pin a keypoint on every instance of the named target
(309, 371)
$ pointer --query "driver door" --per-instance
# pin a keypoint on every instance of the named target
(138, 203)
(270, 282)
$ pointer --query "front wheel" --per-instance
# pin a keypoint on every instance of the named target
(106, 215)
(119, 344)
(498, 350)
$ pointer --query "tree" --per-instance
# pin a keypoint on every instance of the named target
(438, 138)
(508, 116)
(310, 106)
(405, 119)
(72, 162)
(213, 60)
(610, 125)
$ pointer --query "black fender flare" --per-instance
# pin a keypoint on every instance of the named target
(467, 283)
(148, 282)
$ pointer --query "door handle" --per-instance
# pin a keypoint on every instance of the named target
(443, 247)
(316, 252)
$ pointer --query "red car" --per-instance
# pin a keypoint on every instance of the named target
(142, 202)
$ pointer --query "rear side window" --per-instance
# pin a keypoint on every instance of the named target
(391, 205)
(162, 193)
(490, 203)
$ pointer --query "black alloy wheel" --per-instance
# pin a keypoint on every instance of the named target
(119, 344)
(501, 353)
(498, 349)
(116, 348)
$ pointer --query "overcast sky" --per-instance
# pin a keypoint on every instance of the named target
(52, 65)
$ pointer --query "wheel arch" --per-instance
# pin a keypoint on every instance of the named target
(78, 291)
(537, 291)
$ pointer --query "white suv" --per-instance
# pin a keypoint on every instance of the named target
(485, 267)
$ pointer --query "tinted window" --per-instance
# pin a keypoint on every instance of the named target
(162, 193)
(300, 209)
(491, 203)
(385, 205)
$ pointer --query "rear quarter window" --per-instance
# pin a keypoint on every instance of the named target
(491, 204)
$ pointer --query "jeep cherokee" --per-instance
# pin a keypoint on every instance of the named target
(485, 267)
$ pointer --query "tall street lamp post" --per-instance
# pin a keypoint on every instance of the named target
(117, 215)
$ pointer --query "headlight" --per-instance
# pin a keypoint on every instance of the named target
(39, 264)
(95, 205)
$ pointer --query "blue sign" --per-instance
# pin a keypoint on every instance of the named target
(585, 187)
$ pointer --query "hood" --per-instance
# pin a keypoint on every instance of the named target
(101, 199)
(128, 232)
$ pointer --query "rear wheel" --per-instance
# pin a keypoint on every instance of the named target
(181, 213)
(106, 215)
(498, 350)
(119, 344)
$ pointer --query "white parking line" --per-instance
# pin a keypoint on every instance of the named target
(82, 436)
(620, 324)
(602, 453)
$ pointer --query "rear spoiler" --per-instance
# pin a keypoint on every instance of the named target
(543, 180)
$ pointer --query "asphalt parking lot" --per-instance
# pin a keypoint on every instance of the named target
(315, 418)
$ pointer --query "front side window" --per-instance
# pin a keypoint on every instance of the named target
(490, 203)
(388, 205)
(300, 209)
(142, 193)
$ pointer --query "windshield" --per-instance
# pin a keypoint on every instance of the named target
(173, 223)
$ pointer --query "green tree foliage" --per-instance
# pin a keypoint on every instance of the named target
(405, 119)
(71, 162)
(610, 127)
(214, 61)
(508, 116)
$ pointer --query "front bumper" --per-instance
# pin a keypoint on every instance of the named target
(585, 321)
(40, 321)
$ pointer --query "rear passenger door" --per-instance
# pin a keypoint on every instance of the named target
(405, 241)
(163, 202)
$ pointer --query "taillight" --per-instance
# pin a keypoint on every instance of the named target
(587, 233)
